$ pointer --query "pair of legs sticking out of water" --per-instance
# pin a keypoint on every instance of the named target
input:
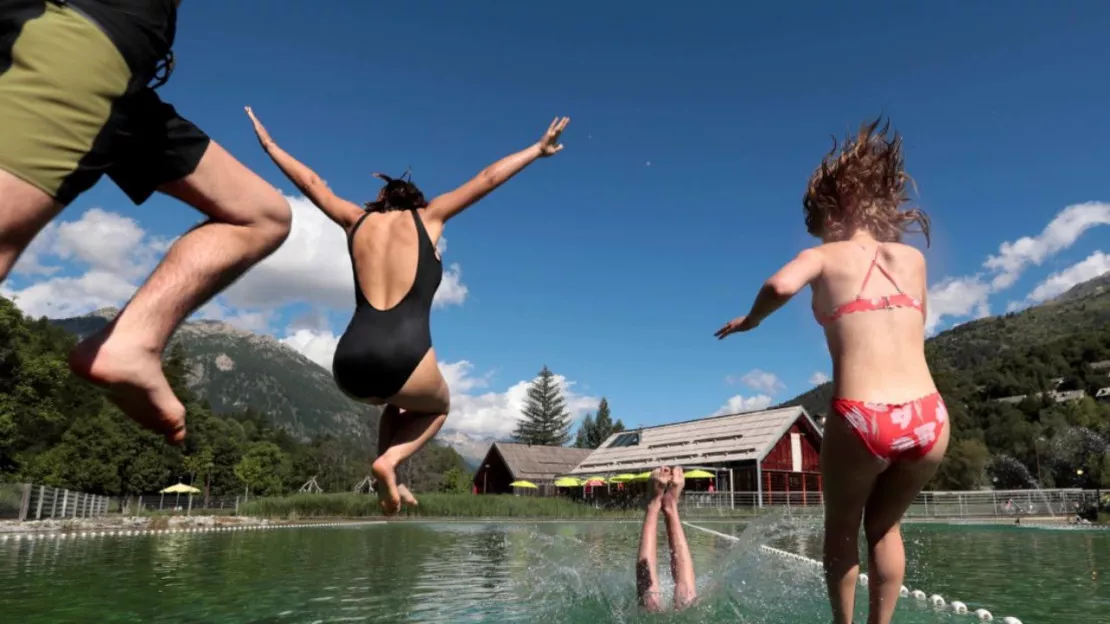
(663, 496)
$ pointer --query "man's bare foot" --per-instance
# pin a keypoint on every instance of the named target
(389, 495)
(406, 496)
(660, 479)
(674, 488)
(134, 379)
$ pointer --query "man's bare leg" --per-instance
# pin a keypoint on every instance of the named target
(682, 564)
(647, 573)
(249, 219)
(24, 211)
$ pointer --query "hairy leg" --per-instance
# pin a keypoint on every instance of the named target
(24, 211)
(848, 472)
(248, 220)
(895, 490)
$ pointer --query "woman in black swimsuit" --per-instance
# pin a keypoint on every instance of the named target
(385, 356)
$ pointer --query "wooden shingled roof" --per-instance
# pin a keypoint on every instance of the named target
(538, 463)
(717, 439)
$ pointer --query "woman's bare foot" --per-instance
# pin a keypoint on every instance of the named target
(134, 379)
(674, 488)
(406, 496)
(389, 495)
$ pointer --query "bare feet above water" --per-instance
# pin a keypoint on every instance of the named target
(660, 480)
(674, 488)
(134, 379)
(389, 494)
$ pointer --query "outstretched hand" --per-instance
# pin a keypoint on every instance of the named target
(738, 324)
(549, 144)
(259, 129)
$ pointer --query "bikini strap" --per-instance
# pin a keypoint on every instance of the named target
(867, 278)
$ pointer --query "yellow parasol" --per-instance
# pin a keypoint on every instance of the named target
(524, 484)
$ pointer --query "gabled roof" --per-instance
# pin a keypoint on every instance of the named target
(731, 438)
(537, 463)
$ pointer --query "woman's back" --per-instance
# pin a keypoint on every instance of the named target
(870, 299)
(385, 252)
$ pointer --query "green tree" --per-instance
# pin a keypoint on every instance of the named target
(456, 481)
(200, 465)
(964, 466)
(594, 430)
(545, 421)
(263, 469)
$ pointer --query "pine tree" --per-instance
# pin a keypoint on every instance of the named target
(596, 428)
(546, 421)
(585, 432)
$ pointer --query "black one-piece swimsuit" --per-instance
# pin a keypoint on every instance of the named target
(380, 349)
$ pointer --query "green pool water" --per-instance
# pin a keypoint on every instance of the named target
(544, 572)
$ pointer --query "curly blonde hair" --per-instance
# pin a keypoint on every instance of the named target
(862, 185)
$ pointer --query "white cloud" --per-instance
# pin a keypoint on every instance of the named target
(1061, 233)
(969, 296)
(818, 378)
(740, 403)
(116, 254)
(316, 345)
(759, 380)
(313, 266)
(1060, 282)
(957, 297)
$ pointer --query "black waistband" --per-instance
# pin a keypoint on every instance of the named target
(142, 30)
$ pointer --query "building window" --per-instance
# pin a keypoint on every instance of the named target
(625, 439)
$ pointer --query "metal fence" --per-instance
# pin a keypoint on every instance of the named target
(42, 502)
(971, 504)
(180, 503)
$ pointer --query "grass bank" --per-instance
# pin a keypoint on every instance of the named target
(450, 506)
(431, 506)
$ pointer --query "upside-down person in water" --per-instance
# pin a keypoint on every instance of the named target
(78, 101)
(887, 431)
(666, 489)
(385, 356)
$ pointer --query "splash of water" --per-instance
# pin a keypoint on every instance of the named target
(1004, 466)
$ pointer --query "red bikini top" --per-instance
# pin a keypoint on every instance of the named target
(886, 302)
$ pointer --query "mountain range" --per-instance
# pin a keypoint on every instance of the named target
(233, 368)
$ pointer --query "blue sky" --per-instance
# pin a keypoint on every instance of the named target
(679, 190)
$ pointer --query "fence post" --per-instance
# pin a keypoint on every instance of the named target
(54, 504)
(38, 504)
(25, 502)
(65, 499)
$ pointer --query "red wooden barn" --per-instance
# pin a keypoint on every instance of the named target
(768, 457)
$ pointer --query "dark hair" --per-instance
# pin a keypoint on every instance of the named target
(397, 194)
(862, 183)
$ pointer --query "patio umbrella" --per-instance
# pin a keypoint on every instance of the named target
(699, 474)
(568, 482)
(180, 488)
(621, 478)
(524, 484)
(643, 476)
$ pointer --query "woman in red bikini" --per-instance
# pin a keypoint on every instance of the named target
(887, 431)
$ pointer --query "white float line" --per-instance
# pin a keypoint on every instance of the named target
(935, 600)
(42, 535)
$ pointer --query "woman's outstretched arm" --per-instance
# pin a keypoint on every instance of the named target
(442, 208)
(336, 208)
(776, 291)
